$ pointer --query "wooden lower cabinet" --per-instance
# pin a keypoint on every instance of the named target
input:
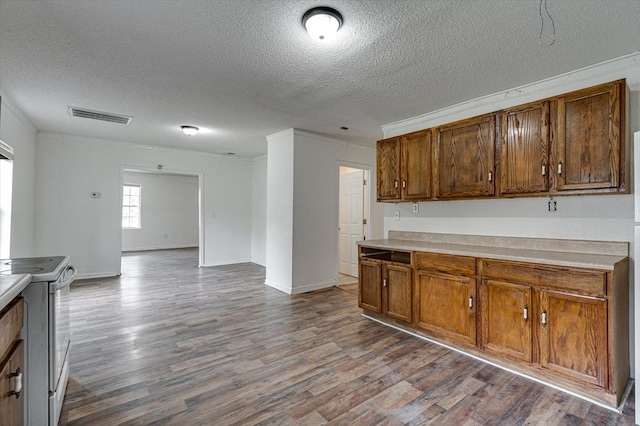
(573, 336)
(396, 291)
(445, 305)
(386, 287)
(369, 285)
(506, 319)
(563, 325)
(11, 408)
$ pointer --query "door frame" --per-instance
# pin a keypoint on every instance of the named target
(138, 169)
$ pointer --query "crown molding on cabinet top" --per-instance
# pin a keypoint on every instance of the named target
(627, 67)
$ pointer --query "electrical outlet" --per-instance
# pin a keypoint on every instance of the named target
(552, 205)
(396, 216)
(415, 207)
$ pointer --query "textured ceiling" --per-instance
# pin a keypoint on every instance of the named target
(243, 69)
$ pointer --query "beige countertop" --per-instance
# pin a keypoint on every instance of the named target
(558, 258)
(11, 286)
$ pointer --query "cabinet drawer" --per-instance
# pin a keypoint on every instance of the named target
(10, 325)
(452, 264)
(583, 281)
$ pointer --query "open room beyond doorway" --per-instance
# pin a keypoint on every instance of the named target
(162, 211)
(352, 219)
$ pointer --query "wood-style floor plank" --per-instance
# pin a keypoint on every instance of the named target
(168, 343)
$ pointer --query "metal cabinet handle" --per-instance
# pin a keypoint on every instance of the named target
(490, 176)
(384, 282)
(404, 183)
(559, 168)
(526, 313)
(544, 317)
(544, 170)
(395, 183)
(18, 389)
(470, 302)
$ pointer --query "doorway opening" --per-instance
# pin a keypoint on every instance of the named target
(353, 208)
(168, 208)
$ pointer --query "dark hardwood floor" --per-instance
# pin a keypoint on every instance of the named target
(171, 343)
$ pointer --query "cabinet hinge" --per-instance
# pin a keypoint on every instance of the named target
(364, 221)
(364, 182)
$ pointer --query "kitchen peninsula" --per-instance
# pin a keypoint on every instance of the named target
(552, 310)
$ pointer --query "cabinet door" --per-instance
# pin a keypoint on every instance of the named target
(416, 166)
(573, 338)
(506, 323)
(388, 169)
(446, 304)
(396, 291)
(369, 291)
(524, 149)
(464, 158)
(590, 150)
(11, 408)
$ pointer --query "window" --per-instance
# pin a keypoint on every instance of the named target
(131, 207)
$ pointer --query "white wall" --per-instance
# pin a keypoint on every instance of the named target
(604, 217)
(302, 246)
(258, 210)
(279, 213)
(17, 131)
(170, 210)
(68, 221)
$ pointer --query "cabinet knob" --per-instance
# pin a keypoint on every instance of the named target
(490, 176)
(470, 302)
(525, 313)
(18, 388)
(544, 170)
(395, 183)
(384, 282)
(559, 168)
(404, 183)
(544, 317)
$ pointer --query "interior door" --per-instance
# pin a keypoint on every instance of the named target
(351, 218)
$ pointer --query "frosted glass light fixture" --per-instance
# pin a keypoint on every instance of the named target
(190, 130)
(322, 23)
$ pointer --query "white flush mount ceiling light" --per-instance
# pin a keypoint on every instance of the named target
(322, 23)
(190, 130)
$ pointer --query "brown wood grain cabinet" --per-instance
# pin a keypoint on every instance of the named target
(506, 319)
(565, 325)
(445, 296)
(574, 143)
(369, 285)
(590, 148)
(11, 364)
(464, 158)
(396, 291)
(385, 283)
(404, 167)
(524, 149)
(388, 169)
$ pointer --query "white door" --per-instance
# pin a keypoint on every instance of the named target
(350, 221)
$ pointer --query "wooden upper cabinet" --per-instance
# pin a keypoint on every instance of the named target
(464, 158)
(416, 166)
(590, 142)
(388, 169)
(524, 149)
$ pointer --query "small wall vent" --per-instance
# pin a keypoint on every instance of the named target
(99, 115)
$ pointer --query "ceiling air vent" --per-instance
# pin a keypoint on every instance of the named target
(99, 115)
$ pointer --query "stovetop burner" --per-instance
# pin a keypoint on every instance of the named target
(41, 268)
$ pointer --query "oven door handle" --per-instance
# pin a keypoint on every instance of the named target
(68, 279)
